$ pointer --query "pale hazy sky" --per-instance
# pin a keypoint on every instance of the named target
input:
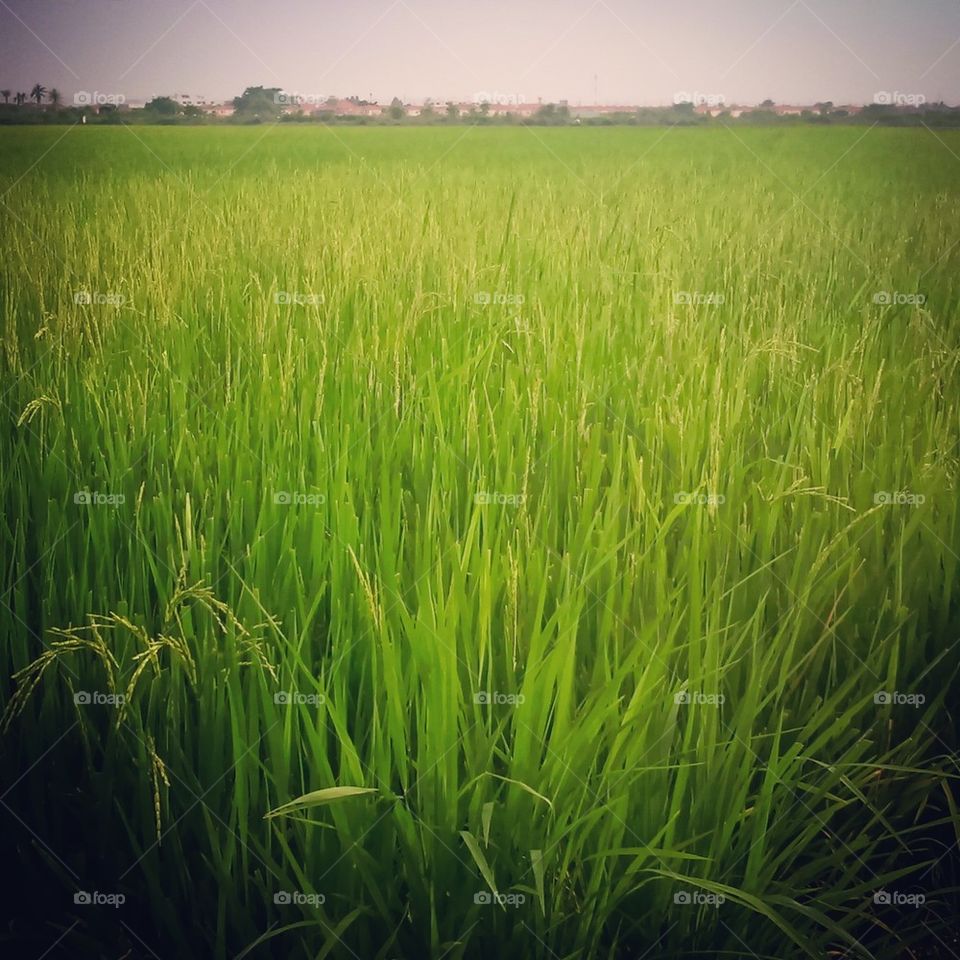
(639, 51)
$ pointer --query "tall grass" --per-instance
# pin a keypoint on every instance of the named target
(605, 597)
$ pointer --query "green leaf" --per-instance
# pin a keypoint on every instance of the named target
(479, 859)
(485, 816)
(536, 862)
(318, 798)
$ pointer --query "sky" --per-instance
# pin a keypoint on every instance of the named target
(582, 51)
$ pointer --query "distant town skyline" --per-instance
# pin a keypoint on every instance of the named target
(581, 51)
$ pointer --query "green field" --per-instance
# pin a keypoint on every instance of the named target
(588, 496)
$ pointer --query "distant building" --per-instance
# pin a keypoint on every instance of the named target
(731, 110)
(592, 111)
(522, 110)
(350, 108)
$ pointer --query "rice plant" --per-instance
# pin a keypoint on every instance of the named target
(480, 542)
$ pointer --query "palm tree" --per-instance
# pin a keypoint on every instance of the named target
(6, 95)
(21, 98)
(54, 96)
(38, 93)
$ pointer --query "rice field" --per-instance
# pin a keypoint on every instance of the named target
(458, 543)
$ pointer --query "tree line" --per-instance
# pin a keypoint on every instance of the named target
(260, 104)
